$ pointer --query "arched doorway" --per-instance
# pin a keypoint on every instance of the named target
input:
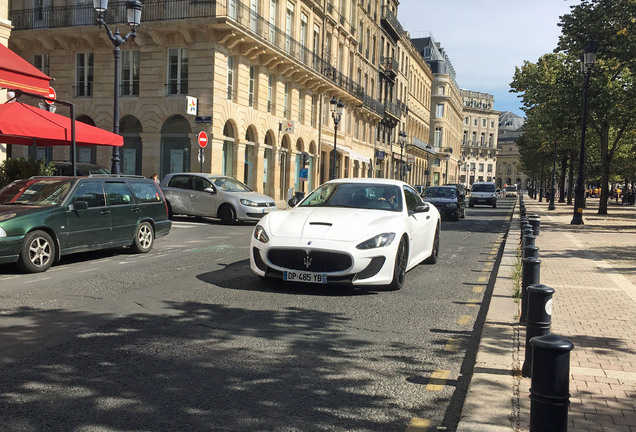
(311, 179)
(250, 161)
(285, 150)
(268, 164)
(299, 185)
(229, 146)
(131, 153)
(175, 145)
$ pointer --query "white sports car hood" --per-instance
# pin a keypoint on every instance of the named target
(339, 224)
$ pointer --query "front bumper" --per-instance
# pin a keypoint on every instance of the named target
(368, 267)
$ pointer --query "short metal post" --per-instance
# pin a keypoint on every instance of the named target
(530, 275)
(539, 320)
(530, 251)
(528, 239)
(550, 385)
(535, 222)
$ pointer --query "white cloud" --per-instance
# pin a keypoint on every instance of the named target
(486, 39)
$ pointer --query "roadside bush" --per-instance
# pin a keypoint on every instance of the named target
(19, 168)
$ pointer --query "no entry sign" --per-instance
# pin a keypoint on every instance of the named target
(51, 95)
(203, 139)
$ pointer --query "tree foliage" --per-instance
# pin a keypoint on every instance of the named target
(19, 168)
(552, 92)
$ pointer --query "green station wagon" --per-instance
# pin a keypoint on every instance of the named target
(44, 218)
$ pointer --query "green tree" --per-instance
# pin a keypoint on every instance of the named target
(19, 168)
(611, 26)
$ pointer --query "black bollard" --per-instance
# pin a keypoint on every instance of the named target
(535, 222)
(528, 239)
(530, 274)
(539, 320)
(550, 385)
(525, 231)
(530, 251)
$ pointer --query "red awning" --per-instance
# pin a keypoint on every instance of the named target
(27, 125)
(17, 73)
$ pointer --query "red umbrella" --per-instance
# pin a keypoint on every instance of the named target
(27, 125)
(17, 73)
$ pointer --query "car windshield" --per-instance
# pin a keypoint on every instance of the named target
(50, 192)
(439, 193)
(228, 184)
(483, 188)
(356, 195)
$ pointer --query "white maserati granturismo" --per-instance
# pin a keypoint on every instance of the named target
(361, 231)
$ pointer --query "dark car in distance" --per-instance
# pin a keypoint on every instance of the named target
(82, 169)
(447, 199)
(44, 218)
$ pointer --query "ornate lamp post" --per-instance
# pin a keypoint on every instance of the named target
(133, 13)
(402, 142)
(587, 62)
(336, 113)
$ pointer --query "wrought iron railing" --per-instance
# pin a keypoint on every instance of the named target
(392, 109)
(392, 20)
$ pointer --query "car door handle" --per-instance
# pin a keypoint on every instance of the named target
(135, 209)
(192, 195)
(105, 211)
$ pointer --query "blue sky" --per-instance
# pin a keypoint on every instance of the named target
(486, 39)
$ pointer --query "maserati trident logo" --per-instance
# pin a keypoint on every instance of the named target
(307, 261)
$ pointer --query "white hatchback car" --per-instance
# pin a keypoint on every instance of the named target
(207, 195)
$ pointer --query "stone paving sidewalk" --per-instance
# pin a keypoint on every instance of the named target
(592, 268)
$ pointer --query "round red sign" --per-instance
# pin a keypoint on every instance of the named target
(51, 95)
(203, 139)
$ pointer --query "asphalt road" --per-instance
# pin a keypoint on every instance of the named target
(185, 338)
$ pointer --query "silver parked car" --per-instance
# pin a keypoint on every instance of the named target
(207, 195)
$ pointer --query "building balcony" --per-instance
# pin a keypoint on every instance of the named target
(235, 23)
(389, 66)
(389, 21)
(373, 105)
(392, 110)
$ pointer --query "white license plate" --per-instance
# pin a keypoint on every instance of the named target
(298, 276)
(268, 209)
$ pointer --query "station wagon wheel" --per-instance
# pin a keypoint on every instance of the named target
(144, 238)
(227, 214)
(399, 270)
(37, 253)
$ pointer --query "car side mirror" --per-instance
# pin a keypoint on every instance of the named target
(422, 208)
(209, 190)
(79, 205)
(293, 201)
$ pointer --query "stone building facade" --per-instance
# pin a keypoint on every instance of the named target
(508, 172)
(263, 73)
(479, 140)
(445, 131)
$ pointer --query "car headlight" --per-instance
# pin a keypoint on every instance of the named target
(380, 240)
(248, 203)
(260, 234)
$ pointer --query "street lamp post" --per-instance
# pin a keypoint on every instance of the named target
(133, 13)
(587, 62)
(446, 173)
(402, 142)
(336, 113)
(553, 188)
